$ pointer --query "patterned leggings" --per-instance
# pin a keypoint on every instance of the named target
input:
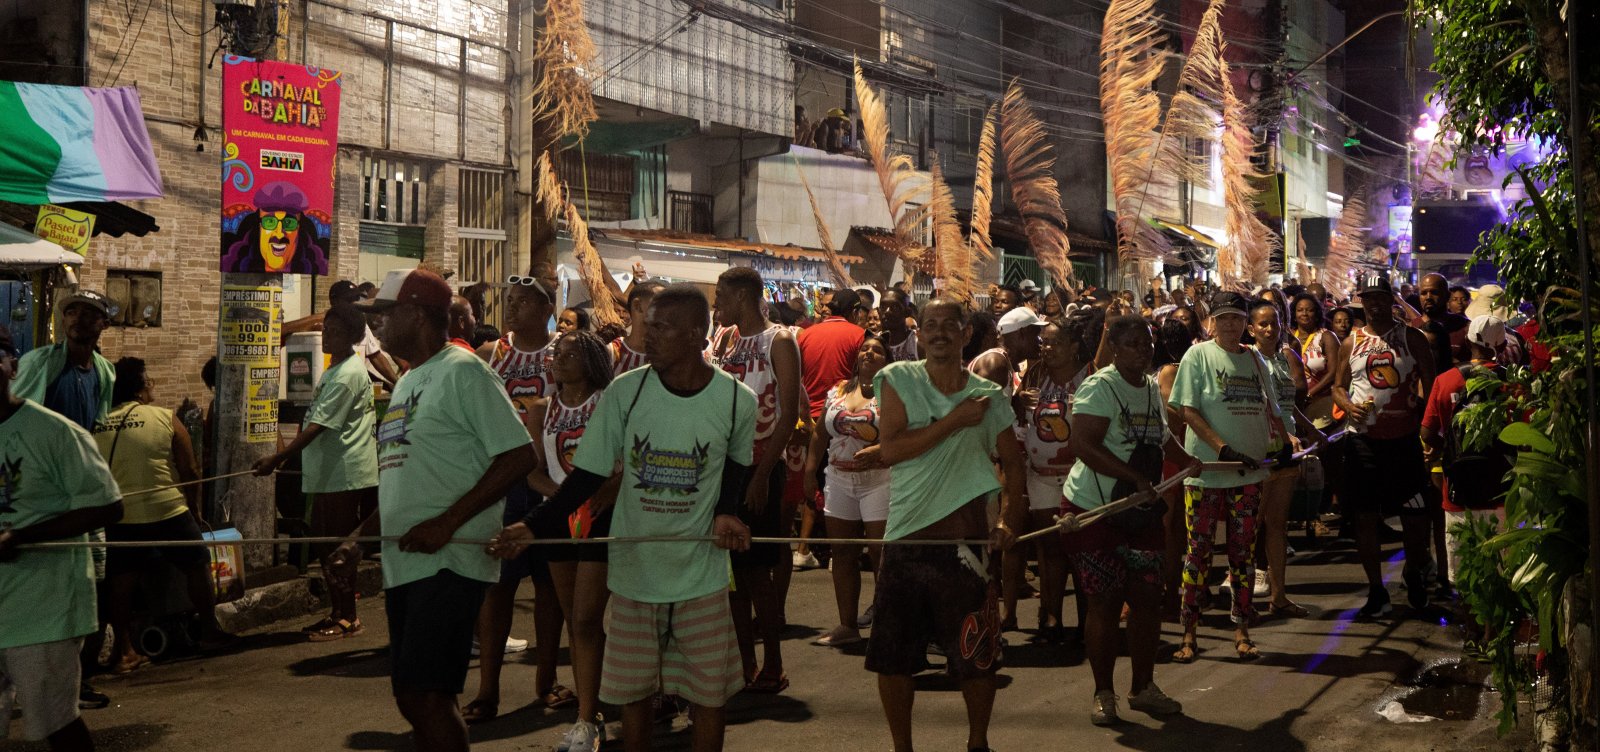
(1203, 507)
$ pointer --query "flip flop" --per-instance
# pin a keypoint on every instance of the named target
(128, 666)
(1186, 653)
(1247, 649)
(559, 697)
(480, 711)
(765, 684)
(831, 641)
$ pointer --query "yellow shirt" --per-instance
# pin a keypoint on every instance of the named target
(136, 440)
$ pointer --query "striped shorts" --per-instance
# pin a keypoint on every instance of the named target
(685, 648)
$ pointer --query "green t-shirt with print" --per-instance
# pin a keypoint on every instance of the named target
(1137, 416)
(449, 418)
(931, 486)
(344, 457)
(672, 449)
(1231, 394)
(48, 467)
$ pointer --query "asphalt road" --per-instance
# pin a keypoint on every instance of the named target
(1318, 687)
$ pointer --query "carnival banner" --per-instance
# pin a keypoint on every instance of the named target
(280, 124)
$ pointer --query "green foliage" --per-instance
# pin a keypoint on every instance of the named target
(1487, 590)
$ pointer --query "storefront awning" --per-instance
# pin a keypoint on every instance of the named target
(20, 249)
(74, 143)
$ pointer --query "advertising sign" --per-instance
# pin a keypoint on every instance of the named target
(280, 124)
(68, 228)
(250, 332)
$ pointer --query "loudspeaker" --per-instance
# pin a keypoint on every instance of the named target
(1314, 237)
(1451, 226)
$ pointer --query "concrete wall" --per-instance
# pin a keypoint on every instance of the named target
(846, 189)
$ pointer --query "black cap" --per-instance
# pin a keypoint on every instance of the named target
(844, 301)
(344, 291)
(1375, 281)
(1227, 301)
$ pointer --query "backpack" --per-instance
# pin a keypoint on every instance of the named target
(1477, 477)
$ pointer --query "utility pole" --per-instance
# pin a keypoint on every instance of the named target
(250, 502)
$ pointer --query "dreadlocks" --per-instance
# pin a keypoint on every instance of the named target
(595, 355)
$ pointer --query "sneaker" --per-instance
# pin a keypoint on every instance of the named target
(1416, 588)
(864, 621)
(1263, 586)
(1105, 709)
(584, 737)
(513, 645)
(806, 561)
(1155, 702)
(90, 698)
(1377, 603)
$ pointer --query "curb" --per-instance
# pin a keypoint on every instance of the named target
(307, 594)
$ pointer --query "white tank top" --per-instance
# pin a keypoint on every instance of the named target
(624, 358)
(849, 431)
(562, 430)
(1317, 361)
(906, 350)
(525, 373)
(749, 359)
(1016, 376)
(1049, 428)
(1383, 370)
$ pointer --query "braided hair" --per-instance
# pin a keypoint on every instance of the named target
(595, 355)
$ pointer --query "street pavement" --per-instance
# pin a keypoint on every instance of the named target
(1318, 687)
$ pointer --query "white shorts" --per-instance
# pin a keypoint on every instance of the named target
(1044, 491)
(862, 495)
(41, 679)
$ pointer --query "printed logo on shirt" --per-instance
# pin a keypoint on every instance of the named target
(1050, 421)
(10, 481)
(667, 470)
(1238, 388)
(396, 422)
(857, 424)
(1141, 428)
(1381, 371)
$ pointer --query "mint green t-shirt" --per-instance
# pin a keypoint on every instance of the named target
(1229, 391)
(48, 467)
(449, 418)
(672, 451)
(344, 457)
(1283, 381)
(933, 485)
(1137, 416)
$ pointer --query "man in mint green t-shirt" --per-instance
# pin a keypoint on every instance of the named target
(940, 428)
(1230, 404)
(53, 486)
(449, 446)
(684, 434)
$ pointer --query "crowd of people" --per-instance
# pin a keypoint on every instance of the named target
(942, 431)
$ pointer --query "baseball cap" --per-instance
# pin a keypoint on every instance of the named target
(844, 301)
(416, 286)
(344, 290)
(1227, 302)
(94, 300)
(867, 294)
(1027, 285)
(1375, 281)
(1018, 319)
(1487, 331)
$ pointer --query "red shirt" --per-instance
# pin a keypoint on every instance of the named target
(828, 356)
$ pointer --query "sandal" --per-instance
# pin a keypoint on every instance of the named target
(559, 697)
(1186, 652)
(480, 711)
(337, 631)
(1247, 649)
(327, 621)
(1290, 610)
(130, 665)
(767, 684)
(836, 640)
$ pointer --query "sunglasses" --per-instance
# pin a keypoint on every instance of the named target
(290, 224)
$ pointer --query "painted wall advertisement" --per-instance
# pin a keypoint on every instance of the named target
(280, 124)
(68, 228)
(252, 321)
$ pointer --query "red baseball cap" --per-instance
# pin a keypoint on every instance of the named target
(417, 286)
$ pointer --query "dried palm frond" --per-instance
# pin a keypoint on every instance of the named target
(1347, 248)
(1194, 116)
(1029, 157)
(548, 189)
(607, 310)
(841, 276)
(1130, 63)
(955, 256)
(983, 186)
(894, 171)
(562, 94)
(1248, 252)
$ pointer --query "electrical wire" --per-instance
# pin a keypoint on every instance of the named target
(128, 45)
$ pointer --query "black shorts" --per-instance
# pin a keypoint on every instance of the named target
(768, 523)
(940, 594)
(533, 561)
(120, 560)
(1385, 476)
(593, 552)
(431, 624)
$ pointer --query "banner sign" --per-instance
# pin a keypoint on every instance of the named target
(251, 330)
(68, 228)
(280, 125)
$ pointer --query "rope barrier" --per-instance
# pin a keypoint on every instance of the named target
(198, 481)
(1064, 524)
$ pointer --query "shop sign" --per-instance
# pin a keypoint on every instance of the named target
(68, 228)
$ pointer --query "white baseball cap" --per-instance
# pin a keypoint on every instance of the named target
(1487, 331)
(1018, 319)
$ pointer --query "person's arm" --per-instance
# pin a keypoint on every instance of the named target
(814, 453)
(1013, 489)
(1089, 446)
(312, 323)
(182, 462)
(992, 366)
(786, 367)
(1203, 431)
(270, 463)
(386, 367)
(900, 443)
(1433, 414)
(506, 468)
(539, 479)
(1341, 384)
(65, 525)
(1426, 367)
